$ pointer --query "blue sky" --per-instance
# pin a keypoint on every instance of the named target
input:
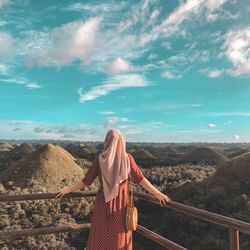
(160, 71)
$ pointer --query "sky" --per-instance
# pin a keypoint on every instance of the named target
(160, 70)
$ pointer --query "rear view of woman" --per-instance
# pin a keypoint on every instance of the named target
(112, 166)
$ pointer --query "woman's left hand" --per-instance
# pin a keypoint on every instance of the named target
(61, 192)
(162, 198)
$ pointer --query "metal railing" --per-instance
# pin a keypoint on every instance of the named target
(234, 226)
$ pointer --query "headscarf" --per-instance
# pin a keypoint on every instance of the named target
(114, 163)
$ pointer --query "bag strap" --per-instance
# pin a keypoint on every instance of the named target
(130, 197)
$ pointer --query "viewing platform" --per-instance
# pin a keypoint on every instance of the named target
(233, 226)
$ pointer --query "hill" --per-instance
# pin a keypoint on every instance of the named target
(50, 167)
(4, 146)
(225, 191)
(233, 176)
(205, 155)
(142, 154)
(21, 151)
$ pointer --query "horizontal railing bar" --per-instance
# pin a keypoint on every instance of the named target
(199, 213)
(79, 227)
(158, 238)
(44, 230)
(42, 196)
(196, 212)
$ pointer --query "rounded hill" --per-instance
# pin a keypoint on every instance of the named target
(49, 167)
(205, 155)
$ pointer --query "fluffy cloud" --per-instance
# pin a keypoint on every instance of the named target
(6, 43)
(215, 73)
(155, 14)
(169, 75)
(238, 51)
(3, 69)
(211, 125)
(119, 65)
(113, 83)
(4, 3)
(72, 41)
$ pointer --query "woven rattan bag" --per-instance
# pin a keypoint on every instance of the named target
(131, 217)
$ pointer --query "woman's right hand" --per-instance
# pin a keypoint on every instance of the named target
(162, 198)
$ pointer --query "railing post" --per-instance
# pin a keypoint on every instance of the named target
(234, 239)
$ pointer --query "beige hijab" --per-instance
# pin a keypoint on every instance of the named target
(114, 163)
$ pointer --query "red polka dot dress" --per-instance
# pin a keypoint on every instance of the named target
(108, 231)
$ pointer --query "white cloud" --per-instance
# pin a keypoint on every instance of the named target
(213, 5)
(155, 14)
(211, 125)
(226, 114)
(124, 119)
(3, 23)
(236, 137)
(215, 73)
(111, 121)
(178, 65)
(119, 65)
(96, 8)
(135, 131)
(166, 107)
(186, 11)
(169, 75)
(27, 129)
(152, 56)
(33, 85)
(72, 41)
(24, 82)
(4, 3)
(112, 84)
(6, 42)
(238, 51)
(106, 112)
(166, 45)
(3, 69)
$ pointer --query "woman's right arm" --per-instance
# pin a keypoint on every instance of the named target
(85, 181)
(68, 189)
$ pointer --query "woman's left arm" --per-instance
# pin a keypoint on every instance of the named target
(162, 198)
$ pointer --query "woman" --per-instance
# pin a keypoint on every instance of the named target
(112, 167)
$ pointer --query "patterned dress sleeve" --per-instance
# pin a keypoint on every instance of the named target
(91, 174)
(136, 173)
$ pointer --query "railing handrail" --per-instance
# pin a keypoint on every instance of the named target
(215, 218)
(233, 225)
(79, 227)
(43, 196)
(189, 210)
